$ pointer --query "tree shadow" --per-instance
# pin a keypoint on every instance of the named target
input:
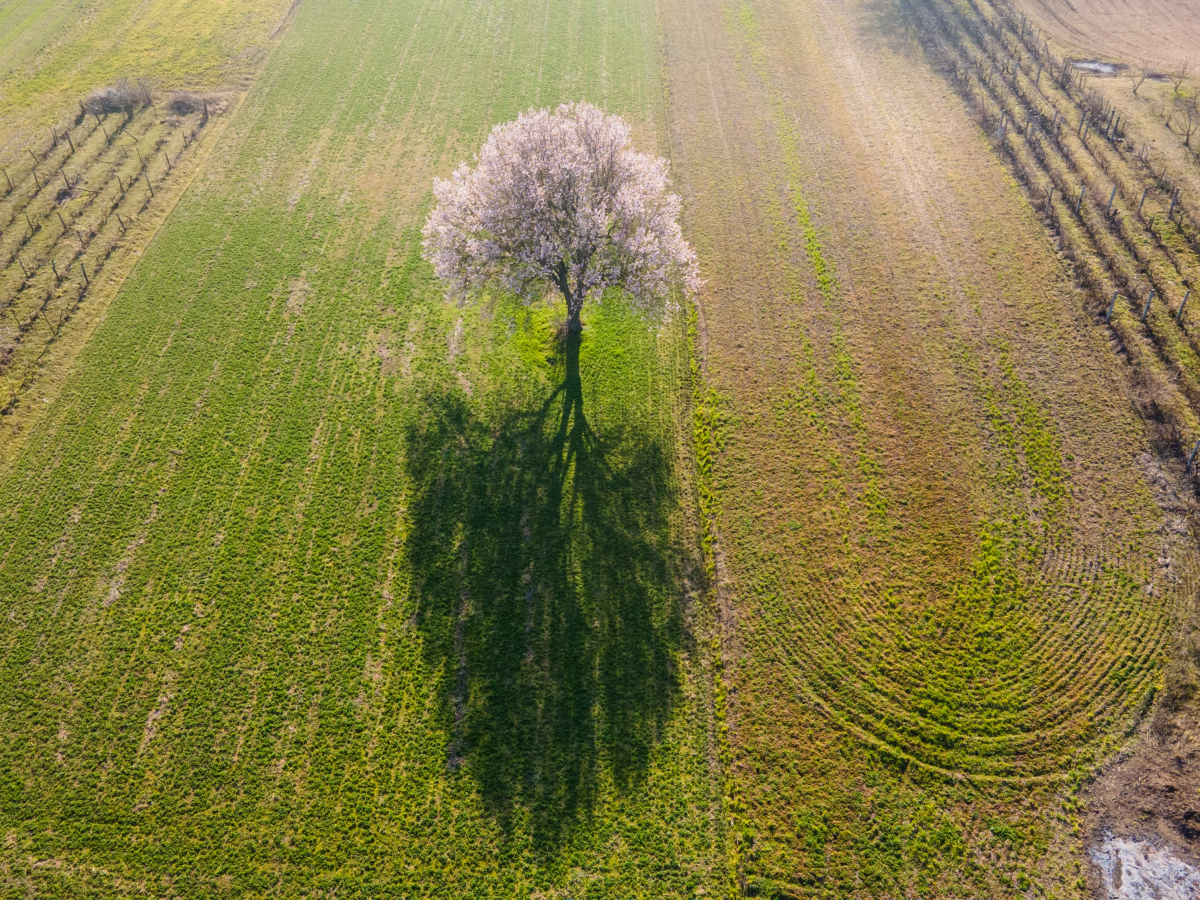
(891, 22)
(549, 587)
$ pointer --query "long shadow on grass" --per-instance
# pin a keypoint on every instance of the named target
(549, 592)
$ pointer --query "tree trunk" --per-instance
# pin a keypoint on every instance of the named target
(574, 307)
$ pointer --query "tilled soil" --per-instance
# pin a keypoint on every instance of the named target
(1163, 33)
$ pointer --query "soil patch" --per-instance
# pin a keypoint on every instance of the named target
(1163, 32)
(1153, 794)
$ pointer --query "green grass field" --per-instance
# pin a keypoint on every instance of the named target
(54, 51)
(85, 193)
(840, 583)
(339, 607)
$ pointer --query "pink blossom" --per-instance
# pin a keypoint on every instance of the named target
(561, 200)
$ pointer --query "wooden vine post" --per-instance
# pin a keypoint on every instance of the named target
(1112, 304)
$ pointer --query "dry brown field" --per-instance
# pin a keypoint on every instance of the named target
(927, 435)
(1162, 32)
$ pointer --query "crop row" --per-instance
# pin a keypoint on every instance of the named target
(1135, 246)
(66, 215)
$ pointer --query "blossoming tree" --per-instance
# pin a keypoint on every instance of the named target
(561, 201)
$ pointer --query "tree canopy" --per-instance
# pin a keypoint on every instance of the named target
(561, 200)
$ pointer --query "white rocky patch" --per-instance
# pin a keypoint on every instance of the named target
(1135, 870)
